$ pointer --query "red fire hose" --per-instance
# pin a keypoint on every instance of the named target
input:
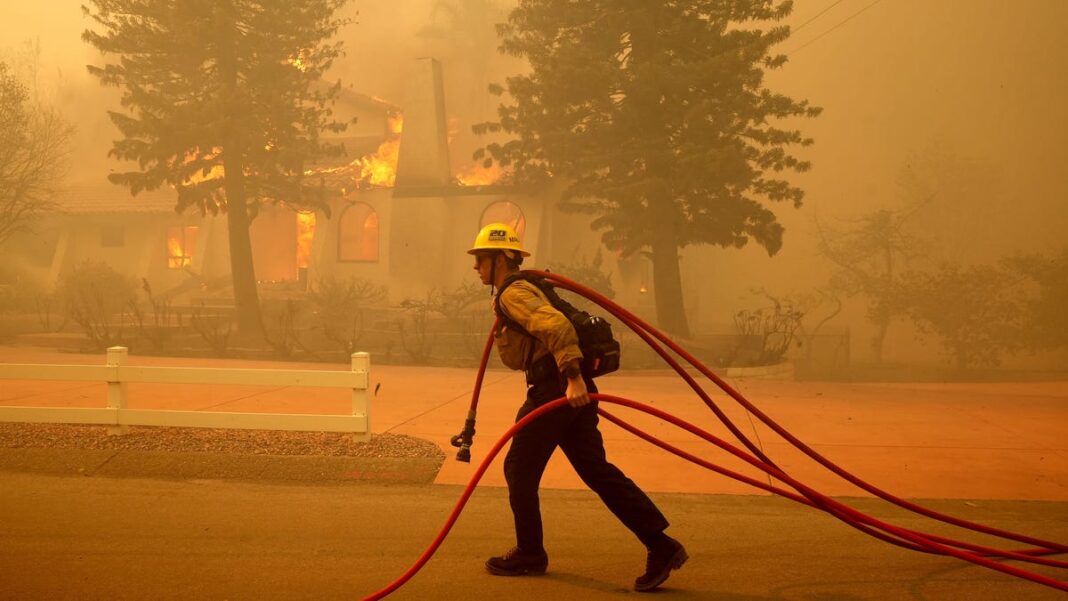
(903, 537)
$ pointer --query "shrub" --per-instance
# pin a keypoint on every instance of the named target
(339, 307)
(1045, 321)
(776, 328)
(282, 324)
(155, 328)
(418, 343)
(971, 310)
(97, 298)
(17, 290)
(467, 308)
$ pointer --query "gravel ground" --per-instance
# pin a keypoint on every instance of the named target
(204, 440)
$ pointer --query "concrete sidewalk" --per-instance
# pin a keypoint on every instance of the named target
(975, 441)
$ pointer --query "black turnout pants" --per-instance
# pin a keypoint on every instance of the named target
(575, 432)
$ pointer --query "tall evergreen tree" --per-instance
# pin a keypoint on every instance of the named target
(657, 116)
(222, 102)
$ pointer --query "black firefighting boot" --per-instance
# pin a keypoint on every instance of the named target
(518, 562)
(664, 555)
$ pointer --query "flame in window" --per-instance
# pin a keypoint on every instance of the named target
(358, 233)
(305, 236)
(181, 240)
(369, 239)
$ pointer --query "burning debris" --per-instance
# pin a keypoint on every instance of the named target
(378, 169)
(477, 174)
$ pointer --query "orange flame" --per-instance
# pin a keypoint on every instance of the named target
(377, 169)
(380, 168)
(215, 172)
(298, 62)
(176, 258)
(395, 123)
(180, 241)
(477, 174)
(305, 236)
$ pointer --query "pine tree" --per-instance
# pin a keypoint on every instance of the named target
(222, 102)
(657, 116)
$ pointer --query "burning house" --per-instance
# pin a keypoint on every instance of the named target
(399, 215)
(403, 216)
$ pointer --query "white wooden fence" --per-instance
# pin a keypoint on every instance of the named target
(118, 416)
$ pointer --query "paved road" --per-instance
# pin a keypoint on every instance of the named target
(81, 538)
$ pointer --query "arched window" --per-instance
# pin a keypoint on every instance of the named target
(357, 238)
(505, 212)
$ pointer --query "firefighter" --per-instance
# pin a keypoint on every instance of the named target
(550, 357)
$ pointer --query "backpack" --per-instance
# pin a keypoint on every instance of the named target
(600, 350)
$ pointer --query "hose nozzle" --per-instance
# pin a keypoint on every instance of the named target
(463, 441)
(464, 454)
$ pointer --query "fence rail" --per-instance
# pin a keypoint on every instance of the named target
(118, 416)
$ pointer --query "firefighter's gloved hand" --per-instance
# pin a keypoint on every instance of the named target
(577, 395)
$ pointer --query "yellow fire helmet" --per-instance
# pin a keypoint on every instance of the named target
(498, 236)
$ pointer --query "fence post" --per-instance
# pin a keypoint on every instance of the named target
(117, 390)
(361, 363)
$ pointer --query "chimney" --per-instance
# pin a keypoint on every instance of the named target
(423, 156)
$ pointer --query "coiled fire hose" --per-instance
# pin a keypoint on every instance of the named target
(987, 557)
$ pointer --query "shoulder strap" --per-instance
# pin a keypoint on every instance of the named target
(555, 299)
(501, 313)
(507, 320)
(546, 288)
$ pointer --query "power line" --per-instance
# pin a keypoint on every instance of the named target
(801, 26)
(847, 19)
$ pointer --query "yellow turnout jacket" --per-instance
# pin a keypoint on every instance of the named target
(553, 333)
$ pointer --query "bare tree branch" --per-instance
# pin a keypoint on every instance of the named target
(34, 155)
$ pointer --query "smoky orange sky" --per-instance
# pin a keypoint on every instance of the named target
(967, 97)
(982, 81)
